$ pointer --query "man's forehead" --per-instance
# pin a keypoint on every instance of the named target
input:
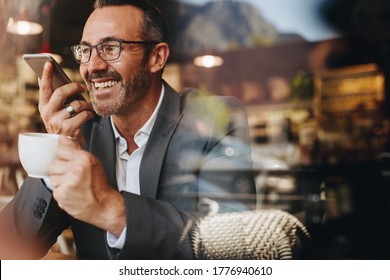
(117, 21)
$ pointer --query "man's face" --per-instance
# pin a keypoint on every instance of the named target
(115, 85)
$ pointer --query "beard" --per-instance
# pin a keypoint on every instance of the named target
(130, 92)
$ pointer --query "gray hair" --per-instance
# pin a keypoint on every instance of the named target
(153, 27)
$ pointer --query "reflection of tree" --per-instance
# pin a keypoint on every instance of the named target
(205, 108)
(302, 86)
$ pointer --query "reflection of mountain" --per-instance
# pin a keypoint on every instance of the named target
(220, 25)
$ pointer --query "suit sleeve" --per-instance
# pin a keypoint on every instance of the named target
(155, 230)
(30, 223)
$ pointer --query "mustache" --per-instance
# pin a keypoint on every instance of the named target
(104, 74)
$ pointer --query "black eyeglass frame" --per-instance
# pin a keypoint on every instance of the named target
(149, 42)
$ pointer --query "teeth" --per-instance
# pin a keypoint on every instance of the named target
(105, 84)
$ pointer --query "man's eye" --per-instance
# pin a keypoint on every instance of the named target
(110, 49)
(84, 50)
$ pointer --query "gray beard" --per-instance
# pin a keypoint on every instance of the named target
(131, 92)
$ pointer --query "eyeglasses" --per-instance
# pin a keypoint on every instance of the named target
(108, 50)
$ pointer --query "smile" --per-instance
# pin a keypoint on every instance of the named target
(106, 84)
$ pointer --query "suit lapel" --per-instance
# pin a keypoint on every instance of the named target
(103, 144)
(167, 119)
(103, 147)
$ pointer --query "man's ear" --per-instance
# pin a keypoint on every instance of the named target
(158, 57)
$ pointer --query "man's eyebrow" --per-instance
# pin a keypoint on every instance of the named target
(111, 38)
(84, 43)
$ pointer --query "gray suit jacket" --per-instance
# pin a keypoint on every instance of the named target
(196, 149)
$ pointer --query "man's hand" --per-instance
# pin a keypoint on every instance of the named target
(51, 106)
(81, 188)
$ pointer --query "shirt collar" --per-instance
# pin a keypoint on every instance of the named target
(148, 126)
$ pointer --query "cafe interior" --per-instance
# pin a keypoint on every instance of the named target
(318, 110)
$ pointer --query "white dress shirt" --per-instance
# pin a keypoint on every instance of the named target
(127, 166)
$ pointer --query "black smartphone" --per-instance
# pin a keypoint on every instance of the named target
(37, 62)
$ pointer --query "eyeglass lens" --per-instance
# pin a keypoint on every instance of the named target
(106, 50)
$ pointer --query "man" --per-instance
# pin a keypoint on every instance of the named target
(149, 156)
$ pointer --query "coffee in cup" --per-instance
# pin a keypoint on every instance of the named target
(37, 152)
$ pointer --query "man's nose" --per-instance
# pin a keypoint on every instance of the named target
(96, 63)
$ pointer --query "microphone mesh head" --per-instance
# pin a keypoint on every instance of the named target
(261, 234)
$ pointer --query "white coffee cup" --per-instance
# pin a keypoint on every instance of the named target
(37, 152)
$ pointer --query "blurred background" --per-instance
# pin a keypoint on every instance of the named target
(313, 75)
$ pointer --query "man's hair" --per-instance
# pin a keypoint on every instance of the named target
(153, 27)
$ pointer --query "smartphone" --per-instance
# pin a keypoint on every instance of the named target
(37, 62)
